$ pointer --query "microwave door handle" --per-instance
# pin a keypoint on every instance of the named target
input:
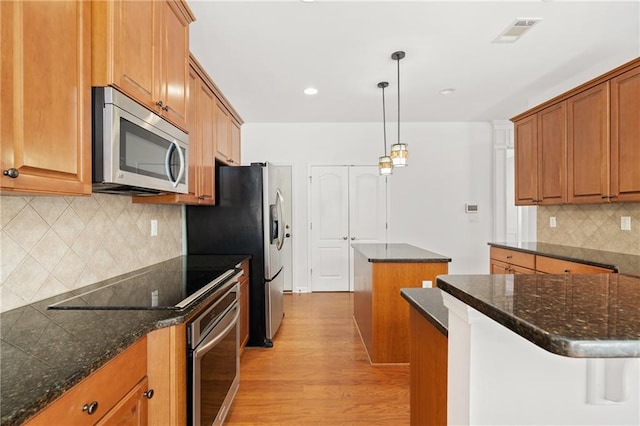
(167, 164)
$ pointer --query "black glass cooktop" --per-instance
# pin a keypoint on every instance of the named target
(169, 285)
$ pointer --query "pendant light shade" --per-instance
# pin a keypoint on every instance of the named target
(385, 164)
(399, 150)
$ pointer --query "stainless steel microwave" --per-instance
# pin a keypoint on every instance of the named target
(135, 151)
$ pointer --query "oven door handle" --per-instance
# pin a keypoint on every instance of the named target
(213, 337)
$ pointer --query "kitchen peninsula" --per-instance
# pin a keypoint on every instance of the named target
(543, 349)
(380, 313)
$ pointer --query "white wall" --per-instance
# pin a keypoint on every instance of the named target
(450, 165)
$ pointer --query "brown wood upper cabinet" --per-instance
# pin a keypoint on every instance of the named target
(45, 105)
(582, 146)
(227, 136)
(588, 159)
(142, 48)
(625, 136)
(201, 125)
(540, 152)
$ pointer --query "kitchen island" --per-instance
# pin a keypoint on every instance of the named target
(380, 313)
(543, 349)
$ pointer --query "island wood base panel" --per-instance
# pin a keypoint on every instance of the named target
(380, 313)
(428, 372)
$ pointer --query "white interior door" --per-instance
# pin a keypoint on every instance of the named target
(367, 209)
(348, 205)
(329, 228)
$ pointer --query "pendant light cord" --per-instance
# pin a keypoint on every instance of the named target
(384, 123)
(398, 60)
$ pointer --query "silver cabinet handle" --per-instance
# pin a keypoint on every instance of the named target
(12, 173)
(353, 238)
(148, 394)
(90, 408)
(345, 238)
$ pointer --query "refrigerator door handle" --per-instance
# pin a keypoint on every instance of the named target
(279, 215)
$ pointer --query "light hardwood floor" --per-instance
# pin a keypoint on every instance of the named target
(318, 372)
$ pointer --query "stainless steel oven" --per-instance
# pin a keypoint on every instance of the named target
(213, 360)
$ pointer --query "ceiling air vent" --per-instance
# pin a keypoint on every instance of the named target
(516, 30)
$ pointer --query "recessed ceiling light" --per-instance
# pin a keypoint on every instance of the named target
(447, 91)
(310, 91)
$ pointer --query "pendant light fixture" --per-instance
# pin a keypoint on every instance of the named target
(399, 151)
(385, 165)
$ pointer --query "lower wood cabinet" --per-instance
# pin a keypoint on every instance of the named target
(132, 409)
(428, 382)
(115, 394)
(244, 305)
(504, 261)
(549, 265)
(167, 371)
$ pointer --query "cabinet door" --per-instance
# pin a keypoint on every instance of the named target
(125, 40)
(45, 101)
(526, 174)
(130, 410)
(625, 139)
(552, 154)
(235, 143)
(588, 145)
(175, 63)
(206, 140)
(223, 122)
(497, 267)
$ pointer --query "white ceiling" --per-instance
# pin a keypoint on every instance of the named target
(262, 54)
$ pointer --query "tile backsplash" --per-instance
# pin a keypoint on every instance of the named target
(50, 245)
(594, 226)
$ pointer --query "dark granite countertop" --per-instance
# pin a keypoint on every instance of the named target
(398, 253)
(44, 352)
(582, 316)
(627, 264)
(428, 302)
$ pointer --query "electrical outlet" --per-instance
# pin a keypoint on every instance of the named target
(625, 223)
(154, 227)
(552, 222)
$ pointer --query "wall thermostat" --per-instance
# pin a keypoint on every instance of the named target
(471, 208)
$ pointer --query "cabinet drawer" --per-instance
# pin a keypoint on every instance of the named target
(512, 257)
(550, 265)
(106, 386)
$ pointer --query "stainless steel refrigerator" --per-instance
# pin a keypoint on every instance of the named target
(247, 219)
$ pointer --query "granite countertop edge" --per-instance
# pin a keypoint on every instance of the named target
(428, 302)
(398, 253)
(556, 344)
(155, 319)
